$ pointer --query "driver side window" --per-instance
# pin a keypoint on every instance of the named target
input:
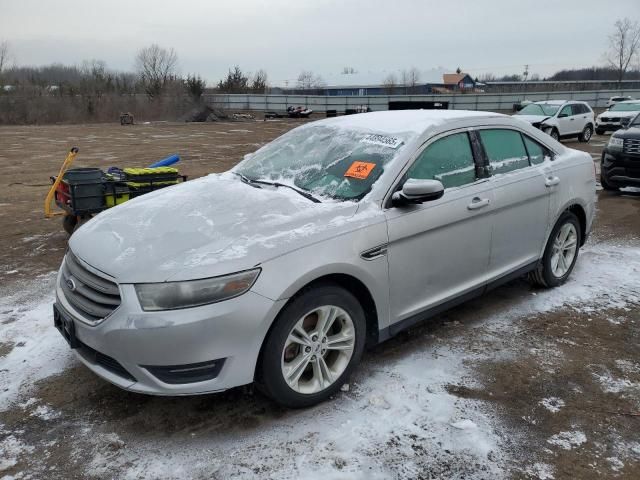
(566, 111)
(449, 160)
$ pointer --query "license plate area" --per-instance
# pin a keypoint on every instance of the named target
(65, 326)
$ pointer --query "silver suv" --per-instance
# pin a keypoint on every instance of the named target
(333, 237)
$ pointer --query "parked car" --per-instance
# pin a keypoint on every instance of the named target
(560, 118)
(613, 100)
(621, 157)
(335, 236)
(611, 119)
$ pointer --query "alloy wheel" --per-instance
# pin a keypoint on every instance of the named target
(318, 349)
(565, 246)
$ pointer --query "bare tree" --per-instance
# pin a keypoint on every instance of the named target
(308, 80)
(259, 82)
(156, 67)
(389, 83)
(410, 79)
(348, 71)
(4, 54)
(624, 46)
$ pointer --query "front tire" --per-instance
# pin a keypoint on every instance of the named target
(560, 254)
(586, 134)
(606, 185)
(555, 134)
(314, 345)
(599, 131)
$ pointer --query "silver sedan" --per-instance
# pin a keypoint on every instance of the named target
(332, 238)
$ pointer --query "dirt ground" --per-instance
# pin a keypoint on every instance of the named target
(555, 375)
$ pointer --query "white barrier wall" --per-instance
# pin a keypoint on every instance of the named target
(482, 101)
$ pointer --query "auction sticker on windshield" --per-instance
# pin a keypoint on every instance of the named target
(360, 170)
(391, 142)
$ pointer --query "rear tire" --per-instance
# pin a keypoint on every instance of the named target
(560, 254)
(586, 134)
(314, 345)
(69, 223)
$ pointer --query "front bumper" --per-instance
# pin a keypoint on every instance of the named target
(620, 169)
(229, 333)
(607, 126)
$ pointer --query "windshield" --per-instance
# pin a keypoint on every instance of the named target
(625, 107)
(326, 161)
(539, 109)
(636, 121)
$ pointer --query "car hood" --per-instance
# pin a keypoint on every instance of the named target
(618, 114)
(532, 118)
(631, 133)
(206, 227)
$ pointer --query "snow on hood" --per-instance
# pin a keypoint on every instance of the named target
(610, 114)
(206, 227)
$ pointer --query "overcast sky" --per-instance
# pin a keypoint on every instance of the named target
(287, 36)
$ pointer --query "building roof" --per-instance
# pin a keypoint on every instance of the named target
(399, 121)
(453, 78)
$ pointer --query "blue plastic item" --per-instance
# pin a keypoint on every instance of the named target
(165, 162)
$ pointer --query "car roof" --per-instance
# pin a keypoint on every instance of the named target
(630, 101)
(398, 121)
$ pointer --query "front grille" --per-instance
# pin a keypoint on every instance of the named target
(105, 361)
(631, 146)
(92, 295)
(610, 119)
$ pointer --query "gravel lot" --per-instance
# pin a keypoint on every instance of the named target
(522, 383)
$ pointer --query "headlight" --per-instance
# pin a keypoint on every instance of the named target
(615, 143)
(193, 293)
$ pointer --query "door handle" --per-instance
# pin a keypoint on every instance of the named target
(572, 119)
(551, 181)
(477, 203)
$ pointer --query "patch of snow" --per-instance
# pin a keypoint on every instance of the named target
(39, 351)
(611, 384)
(568, 440)
(542, 471)
(615, 463)
(11, 449)
(553, 404)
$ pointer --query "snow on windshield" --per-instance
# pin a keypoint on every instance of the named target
(328, 161)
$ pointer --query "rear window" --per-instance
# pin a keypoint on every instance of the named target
(505, 150)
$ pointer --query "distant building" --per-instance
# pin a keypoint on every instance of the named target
(458, 81)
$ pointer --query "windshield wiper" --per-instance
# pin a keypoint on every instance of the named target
(247, 180)
(257, 183)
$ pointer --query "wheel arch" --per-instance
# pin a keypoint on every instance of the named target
(579, 211)
(353, 285)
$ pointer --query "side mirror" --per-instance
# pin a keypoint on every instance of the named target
(418, 191)
(563, 115)
(625, 122)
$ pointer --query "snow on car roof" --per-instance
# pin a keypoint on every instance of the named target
(630, 101)
(553, 102)
(398, 121)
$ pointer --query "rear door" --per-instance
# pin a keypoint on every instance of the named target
(521, 212)
(439, 250)
(581, 115)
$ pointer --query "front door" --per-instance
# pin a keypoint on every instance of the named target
(440, 249)
(567, 121)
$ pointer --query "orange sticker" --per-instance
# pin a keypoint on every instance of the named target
(360, 170)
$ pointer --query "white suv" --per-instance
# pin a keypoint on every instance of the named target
(611, 119)
(560, 118)
(613, 100)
